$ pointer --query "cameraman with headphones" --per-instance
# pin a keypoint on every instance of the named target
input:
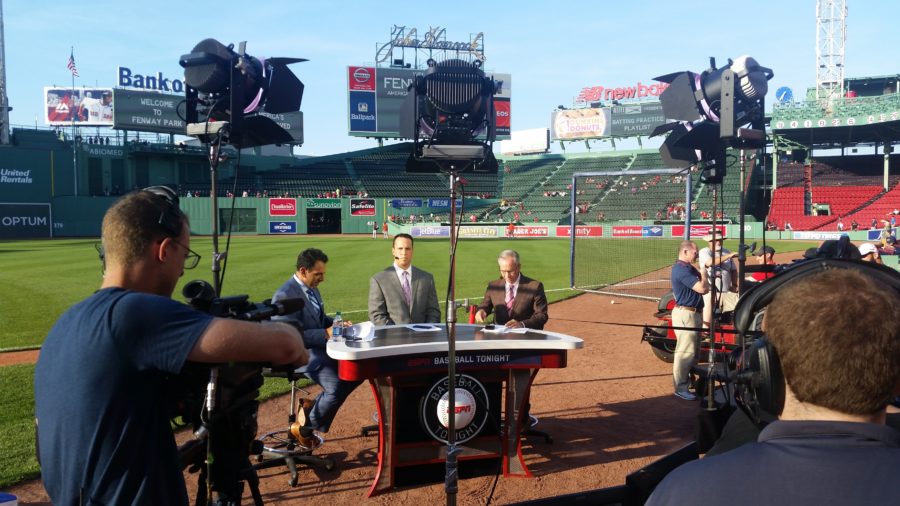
(102, 411)
(835, 328)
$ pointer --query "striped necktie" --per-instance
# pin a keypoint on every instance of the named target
(407, 290)
(314, 300)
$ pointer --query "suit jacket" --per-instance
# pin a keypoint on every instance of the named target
(386, 303)
(529, 306)
(312, 323)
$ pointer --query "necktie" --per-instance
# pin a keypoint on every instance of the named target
(510, 297)
(407, 291)
(314, 300)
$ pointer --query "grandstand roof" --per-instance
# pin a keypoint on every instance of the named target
(847, 135)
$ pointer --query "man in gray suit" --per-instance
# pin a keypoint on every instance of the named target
(403, 294)
(316, 327)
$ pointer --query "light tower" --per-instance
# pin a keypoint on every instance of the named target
(4, 99)
(831, 25)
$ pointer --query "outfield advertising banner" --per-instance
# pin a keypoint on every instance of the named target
(580, 231)
(83, 106)
(25, 221)
(428, 231)
(477, 232)
(627, 231)
(531, 231)
(376, 94)
(147, 111)
(362, 207)
(696, 230)
(282, 227)
(443, 203)
(820, 236)
(323, 203)
(282, 207)
(651, 231)
(398, 203)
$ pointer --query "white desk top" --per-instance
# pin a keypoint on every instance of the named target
(393, 340)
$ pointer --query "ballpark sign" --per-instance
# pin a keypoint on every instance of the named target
(362, 207)
(282, 207)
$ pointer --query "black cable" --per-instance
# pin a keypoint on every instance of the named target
(231, 218)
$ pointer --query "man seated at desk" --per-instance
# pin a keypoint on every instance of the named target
(515, 300)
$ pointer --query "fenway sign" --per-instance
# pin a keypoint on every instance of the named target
(282, 207)
(531, 231)
(638, 91)
(566, 231)
(696, 230)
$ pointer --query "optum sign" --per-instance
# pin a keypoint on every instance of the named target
(25, 221)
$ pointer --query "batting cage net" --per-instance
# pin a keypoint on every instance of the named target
(628, 227)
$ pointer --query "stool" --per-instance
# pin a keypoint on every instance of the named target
(280, 447)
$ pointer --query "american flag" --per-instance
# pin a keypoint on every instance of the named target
(71, 64)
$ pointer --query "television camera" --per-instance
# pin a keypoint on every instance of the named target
(219, 403)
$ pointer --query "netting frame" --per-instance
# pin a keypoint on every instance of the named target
(688, 190)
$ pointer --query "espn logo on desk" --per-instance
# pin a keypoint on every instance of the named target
(282, 207)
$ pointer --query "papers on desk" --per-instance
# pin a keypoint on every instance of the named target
(420, 327)
(503, 329)
(364, 331)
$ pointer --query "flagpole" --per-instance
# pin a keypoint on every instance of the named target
(73, 112)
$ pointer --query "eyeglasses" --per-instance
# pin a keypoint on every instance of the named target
(191, 259)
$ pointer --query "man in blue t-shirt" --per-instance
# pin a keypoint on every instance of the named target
(688, 287)
(103, 424)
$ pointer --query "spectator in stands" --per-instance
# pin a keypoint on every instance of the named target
(830, 444)
(854, 225)
(840, 225)
(688, 287)
(887, 234)
(787, 226)
(869, 253)
(874, 224)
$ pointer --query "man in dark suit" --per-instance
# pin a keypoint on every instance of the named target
(515, 300)
(316, 327)
(403, 294)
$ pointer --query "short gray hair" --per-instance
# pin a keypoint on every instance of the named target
(509, 253)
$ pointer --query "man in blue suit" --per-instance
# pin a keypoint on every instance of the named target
(316, 327)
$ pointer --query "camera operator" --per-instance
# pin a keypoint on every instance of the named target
(102, 413)
(841, 369)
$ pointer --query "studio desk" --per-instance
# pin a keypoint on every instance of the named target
(407, 370)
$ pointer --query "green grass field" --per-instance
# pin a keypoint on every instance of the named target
(41, 279)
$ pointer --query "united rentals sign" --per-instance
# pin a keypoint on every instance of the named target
(435, 38)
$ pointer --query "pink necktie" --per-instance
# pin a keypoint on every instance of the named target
(509, 297)
(407, 292)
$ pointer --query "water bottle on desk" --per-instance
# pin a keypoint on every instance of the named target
(337, 328)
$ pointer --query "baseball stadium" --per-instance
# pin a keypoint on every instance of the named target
(597, 204)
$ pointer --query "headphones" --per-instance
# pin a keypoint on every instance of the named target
(759, 381)
(171, 218)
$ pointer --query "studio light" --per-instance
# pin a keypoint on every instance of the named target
(450, 116)
(241, 95)
(719, 108)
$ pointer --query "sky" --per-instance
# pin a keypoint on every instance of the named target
(552, 50)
